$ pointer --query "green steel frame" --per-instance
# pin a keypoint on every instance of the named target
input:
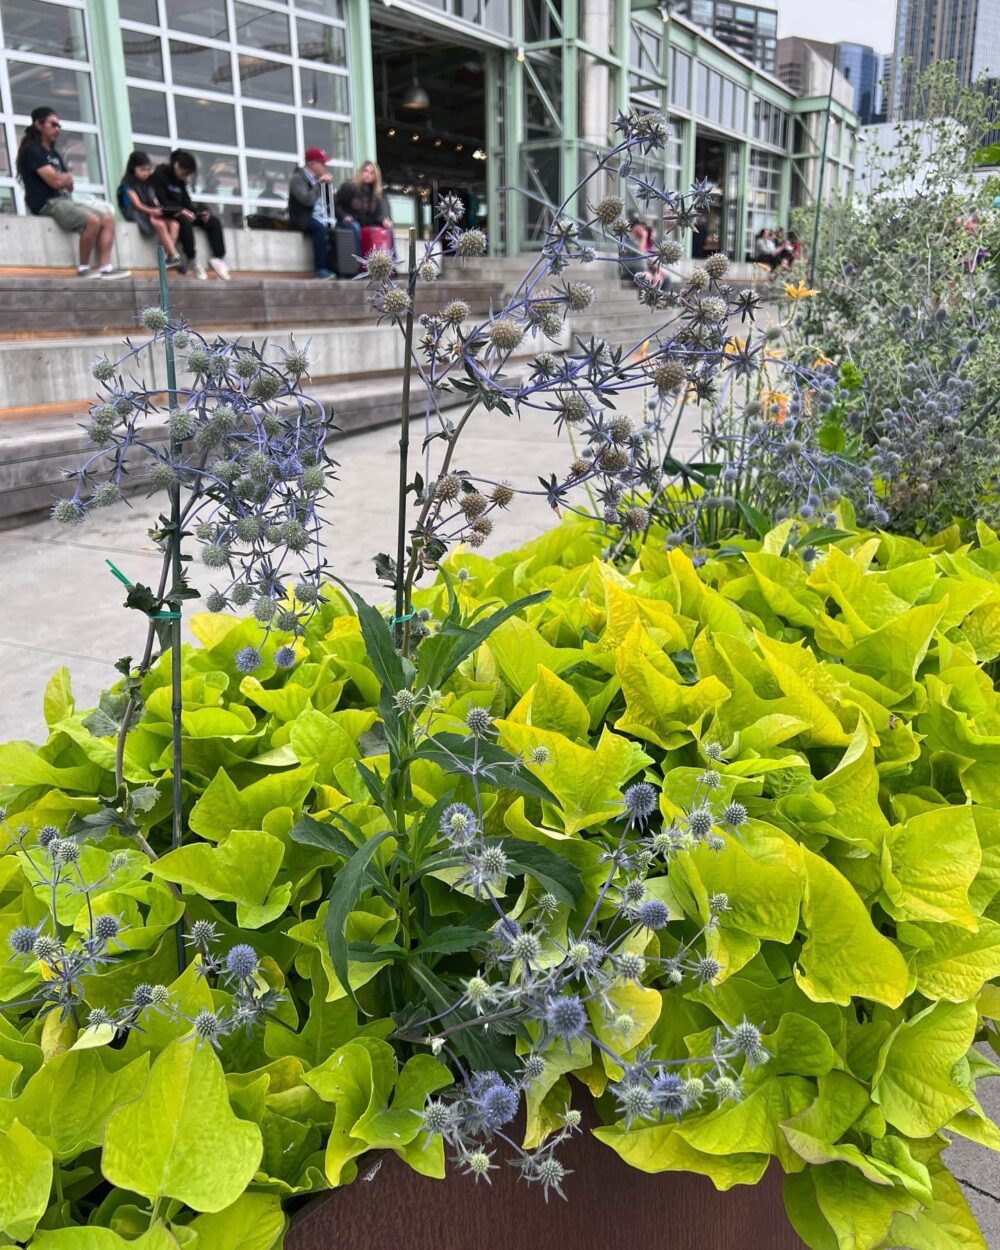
(510, 73)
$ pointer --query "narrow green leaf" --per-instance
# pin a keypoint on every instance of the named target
(345, 893)
(442, 653)
(549, 869)
(311, 832)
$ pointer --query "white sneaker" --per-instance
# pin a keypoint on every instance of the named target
(113, 274)
(221, 268)
(199, 272)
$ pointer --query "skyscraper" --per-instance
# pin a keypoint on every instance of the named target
(966, 32)
(864, 69)
(749, 29)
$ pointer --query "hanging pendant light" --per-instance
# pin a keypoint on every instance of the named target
(415, 98)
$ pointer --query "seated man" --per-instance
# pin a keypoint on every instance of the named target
(307, 209)
(170, 186)
(48, 187)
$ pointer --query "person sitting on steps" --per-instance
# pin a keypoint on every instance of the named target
(48, 187)
(361, 202)
(170, 185)
(139, 204)
(307, 207)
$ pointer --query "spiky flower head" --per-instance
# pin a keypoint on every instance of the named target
(549, 1173)
(633, 892)
(668, 1094)
(241, 960)
(505, 333)
(726, 1089)
(635, 519)
(711, 779)
(427, 271)
(380, 264)
(640, 801)
(734, 815)
(668, 376)
(216, 555)
(265, 608)
(538, 755)
(608, 210)
(46, 948)
(22, 939)
(566, 1017)
(208, 1027)
(455, 312)
(580, 295)
(65, 851)
(669, 252)
(203, 933)
(478, 1164)
(533, 1069)
(745, 1040)
(459, 824)
(248, 659)
(102, 370)
(447, 488)
(479, 992)
(68, 512)
(502, 494)
(716, 266)
(698, 279)
(526, 946)
(106, 928)
(630, 966)
(471, 243)
(241, 594)
(718, 903)
(700, 822)
(496, 1102)
(107, 495)
(215, 601)
(47, 835)
(478, 720)
(635, 1102)
(707, 969)
(547, 904)
(285, 657)
(713, 751)
(98, 1016)
(472, 503)
(652, 914)
(438, 1116)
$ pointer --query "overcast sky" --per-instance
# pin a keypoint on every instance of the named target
(857, 21)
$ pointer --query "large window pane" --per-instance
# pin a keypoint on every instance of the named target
(264, 128)
(139, 11)
(334, 137)
(327, 93)
(218, 175)
(195, 65)
(66, 90)
(328, 8)
(204, 121)
(680, 79)
(143, 57)
(268, 178)
(262, 28)
(266, 80)
(149, 112)
(81, 154)
(321, 43)
(198, 17)
(51, 29)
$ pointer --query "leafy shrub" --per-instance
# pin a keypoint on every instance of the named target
(847, 678)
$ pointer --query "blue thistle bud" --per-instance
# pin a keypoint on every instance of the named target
(97, 1017)
(478, 1164)
(47, 835)
(479, 993)
(478, 720)
(65, 851)
(700, 823)
(633, 892)
(285, 657)
(734, 815)
(266, 387)
(550, 1174)
(68, 512)
(208, 1027)
(241, 595)
(711, 779)
(713, 751)
(264, 609)
(726, 1089)
(745, 1040)
(539, 755)
(707, 969)
(470, 244)
(630, 966)
(640, 801)
(203, 933)
(216, 556)
(525, 946)
(438, 1117)
(106, 928)
(248, 660)
(635, 1102)
(46, 948)
(566, 1017)
(102, 370)
(547, 904)
(653, 914)
(459, 824)
(22, 940)
(215, 601)
(718, 903)
(496, 1103)
(154, 319)
(533, 1069)
(241, 961)
(307, 593)
(142, 995)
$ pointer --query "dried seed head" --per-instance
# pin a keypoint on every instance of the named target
(698, 279)
(668, 376)
(482, 526)
(472, 503)
(609, 210)
(455, 312)
(447, 488)
(505, 334)
(579, 295)
(613, 460)
(502, 494)
(716, 266)
(379, 265)
(471, 243)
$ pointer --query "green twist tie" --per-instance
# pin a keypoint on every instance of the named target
(118, 573)
(399, 620)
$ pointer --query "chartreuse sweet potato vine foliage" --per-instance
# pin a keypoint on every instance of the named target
(826, 697)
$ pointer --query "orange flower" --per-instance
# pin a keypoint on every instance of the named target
(822, 361)
(774, 405)
(799, 291)
(735, 345)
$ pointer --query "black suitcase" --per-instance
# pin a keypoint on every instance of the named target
(341, 241)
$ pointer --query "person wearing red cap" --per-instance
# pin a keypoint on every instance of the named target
(307, 206)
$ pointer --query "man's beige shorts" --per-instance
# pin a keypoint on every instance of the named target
(67, 214)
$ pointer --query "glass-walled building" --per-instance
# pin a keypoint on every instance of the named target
(470, 96)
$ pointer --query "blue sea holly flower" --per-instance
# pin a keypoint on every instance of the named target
(669, 1094)
(652, 914)
(549, 1173)
(635, 1102)
(241, 960)
(745, 1040)
(248, 660)
(640, 802)
(496, 1103)
(22, 940)
(284, 657)
(459, 824)
(566, 1017)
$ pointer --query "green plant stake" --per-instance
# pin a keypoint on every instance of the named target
(176, 667)
(402, 586)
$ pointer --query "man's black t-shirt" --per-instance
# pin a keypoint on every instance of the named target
(37, 191)
(171, 191)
